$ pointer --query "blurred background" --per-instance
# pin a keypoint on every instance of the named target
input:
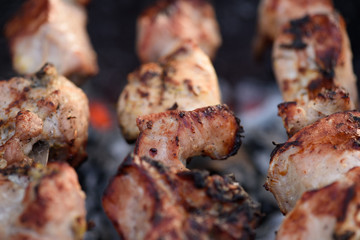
(248, 87)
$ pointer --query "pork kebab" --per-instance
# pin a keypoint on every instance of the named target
(173, 102)
(314, 175)
(154, 195)
(312, 60)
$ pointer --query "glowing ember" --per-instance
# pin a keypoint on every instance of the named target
(100, 117)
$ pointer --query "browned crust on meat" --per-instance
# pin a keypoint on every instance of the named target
(347, 125)
(323, 81)
(201, 205)
(221, 139)
(295, 116)
(319, 27)
(273, 14)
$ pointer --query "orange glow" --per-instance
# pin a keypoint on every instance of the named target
(100, 117)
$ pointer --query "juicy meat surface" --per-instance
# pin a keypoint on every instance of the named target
(148, 200)
(42, 204)
(174, 136)
(314, 157)
(184, 80)
(313, 67)
(328, 213)
(45, 109)
(42, 31)
(162, 27)
(273, 14)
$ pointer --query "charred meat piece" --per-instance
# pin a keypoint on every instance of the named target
(314, 157)
(147, 200)
(184, 80)
(273, 14)
(51, 31)
(162, 27)
(174, 136)
(42, 203)
(313, 67)
(328, 213)
(43, 111)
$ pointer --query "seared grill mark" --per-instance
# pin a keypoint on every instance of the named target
(156, 164)
(20, 98)
(198, 176)
(280, 148)
(296, 29)
(315, 86)
(349, 195)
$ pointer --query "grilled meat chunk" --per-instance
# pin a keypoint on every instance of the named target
(174, 136)
(42, 203)
(328, 213)
(42, 31)
(273, 14)
(314, 157)
(44, 109)
(148, 200)
(162, 27)
(184, 80)
(313, 67)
